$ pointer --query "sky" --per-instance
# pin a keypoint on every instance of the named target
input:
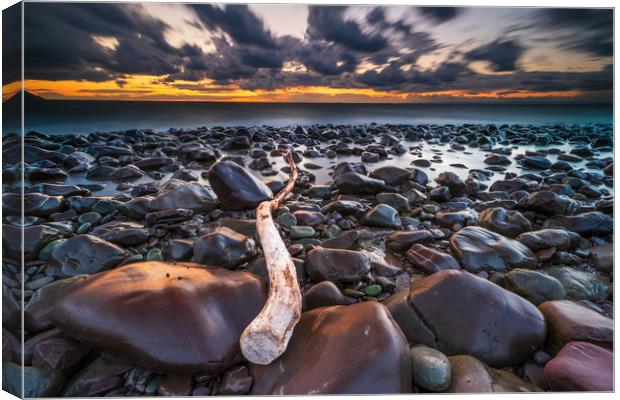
(300, 53)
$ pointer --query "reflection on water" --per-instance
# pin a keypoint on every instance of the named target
(87, 116)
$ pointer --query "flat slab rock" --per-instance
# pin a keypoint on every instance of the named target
(581, 366)
(356, 349)
(458, 313)
(163, 316)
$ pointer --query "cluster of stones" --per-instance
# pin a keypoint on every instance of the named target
(495, 282)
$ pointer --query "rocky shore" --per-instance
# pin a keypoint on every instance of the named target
(469, 258)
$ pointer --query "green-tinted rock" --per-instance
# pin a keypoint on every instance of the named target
(331, 232)
(373, 290)
(534, 286)
(154, 255)
(45, 252)
(85, 227)
(37, 382)
(301, 232)
(431, 368)
(580, 285)
(287, 220)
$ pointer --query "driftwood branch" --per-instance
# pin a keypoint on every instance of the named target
(266, 338)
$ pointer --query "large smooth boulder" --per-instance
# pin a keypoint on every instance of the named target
(457, 312)
(569, 321)
(355, 349)
(581, 366)
(452, 181)
(336, 265)
(236, 188)
(382, 216)
(391, 175)
(586, 224)
(223, 248)
(37, 313)
(479, 249)
(505, 222)
(162, 316)
(176, 193)
(470, 375)
(85, 254)
(125, 233)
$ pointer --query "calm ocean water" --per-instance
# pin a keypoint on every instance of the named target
(87, 116)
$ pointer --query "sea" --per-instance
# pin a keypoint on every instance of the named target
(73, 116)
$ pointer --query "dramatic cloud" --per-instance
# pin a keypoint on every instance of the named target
(502, 55)
(440, 14)
(135, 49)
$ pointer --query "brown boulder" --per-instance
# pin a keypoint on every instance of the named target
(581, 366)
(459, 313)
(568, 321)
(162, 316)
(355, 349)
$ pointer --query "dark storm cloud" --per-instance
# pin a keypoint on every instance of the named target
(11, 44)
(440, 14)
(59, 42)
(585, 30)
(238, 22)
(328, 23)
(502, 55)
(60, 45)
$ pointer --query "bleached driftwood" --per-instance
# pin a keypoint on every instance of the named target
(266, 338)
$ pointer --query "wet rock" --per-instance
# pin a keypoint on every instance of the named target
(497, 159)
(602, 257)
(37, 382)
(581, 366)
(180, 249)
(549, 203)
(236, 188)
(344, 207)
(235, 382)
(85, 254)
(470, 375)
(502, 328)
(63, 354)
(456, 220)
(391, 175)
(430, 260)
(11, 309)
(579, 285)
(100, 376)
(35, 239)
(431, 369)
(336, 265)
(258, 266)
(534, 286)
(545, 239)
(586, 224)
(127, 173)
(382, 216)
(180, 194)
(309, 218)
(223, 248)
(60, 190)
(452, 181)
(157, 314)
(569, 321)
(175, 385)
(355, 183)
(402, 240)
(509, 185)
(36, 204)
(37, 313)
(479, 249)
(536, 162)
(334, 337)
(323, 294)
(505, 222)
(123, 233)
(394, 200)
(169, 216)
